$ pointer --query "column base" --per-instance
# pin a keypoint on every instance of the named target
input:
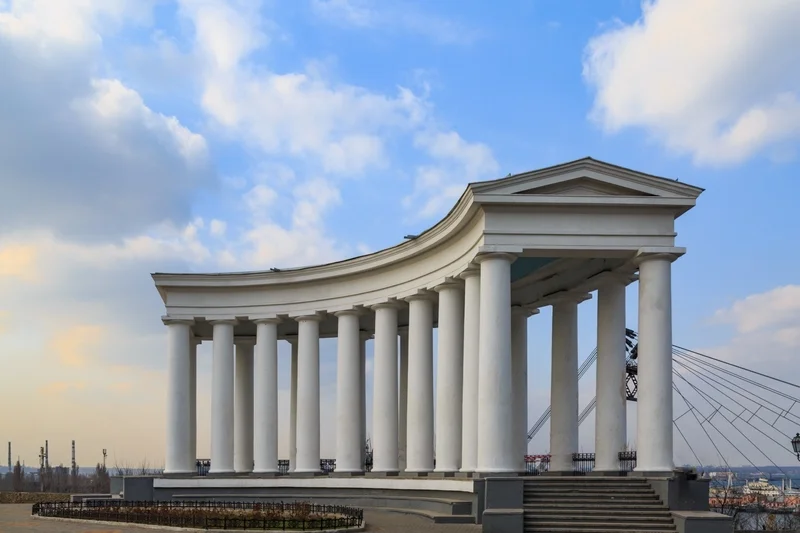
(317, 473)
(484, 475)
(267, 474)
(181, 474)
(351, 473)
(415, 474)
(382, 474)
(652, 473)
(442, 474)
(607, 473)
(221, 473)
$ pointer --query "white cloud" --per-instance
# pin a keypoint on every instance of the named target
(717, 79)
(456, 163)
(776, 308)
(94, 159)
(217, 228)
(406, 16)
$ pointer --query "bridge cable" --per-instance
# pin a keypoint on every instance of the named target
(735, 389)
(693, 409)
(736, 402)
(734, 427)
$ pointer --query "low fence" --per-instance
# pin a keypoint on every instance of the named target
(535, 465)
(582, 463)
(209, 515)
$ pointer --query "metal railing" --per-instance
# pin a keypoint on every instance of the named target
(582, 463)
(209, 515)
(325, 465)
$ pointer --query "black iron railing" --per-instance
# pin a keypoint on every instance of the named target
(325, 465)
(582, 463)
(209, 515)
(627, 461)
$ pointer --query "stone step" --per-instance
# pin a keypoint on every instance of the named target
(589, 502)
(604, 490)
(573, 529)
(590, 494)
(633, 486)
(601, 518)
(579, 508)
(597, 512)
(585, 479)
(437, 518)
(587, 527)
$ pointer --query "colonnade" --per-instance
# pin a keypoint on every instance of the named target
(480, 421)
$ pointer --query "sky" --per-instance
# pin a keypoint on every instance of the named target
(139, 136)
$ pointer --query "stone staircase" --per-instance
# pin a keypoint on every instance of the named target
(588, 504)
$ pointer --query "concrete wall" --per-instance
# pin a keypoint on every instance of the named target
(681, 493)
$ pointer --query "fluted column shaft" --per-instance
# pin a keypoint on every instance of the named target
(472, 324)
(222, 398)
(308, 409)
(654, 406)
(519, 372)
(610, 419)
(179, 427)
(402, 407)
(449, 377)
(564, 386)
(265, 408)
(419, 430)
(348, 376)
(496, 446)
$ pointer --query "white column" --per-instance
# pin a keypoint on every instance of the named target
(496, 446)
(519, 372)
(610, 412)
(308, 443)
(419, 429)
(222, 398)
(265, 408)
(384, 384)
(564, 384)
(469, 413)
(654, 406)
(243, 407)
(362, 387)
(179, 427)
(402, 407)
(193, 402)
(293, 406)
(348, 397)
(449, 377)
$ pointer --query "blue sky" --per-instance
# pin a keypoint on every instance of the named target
(208, 135)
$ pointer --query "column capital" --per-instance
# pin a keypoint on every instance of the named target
(471, 271)
(421, 294)
(646, 254)
(448, 284)
(610, 277)
(481, 257)
(523, 310)
(392, 303)
(168, 321)
(355, 311)
(230, 321)
(563, 297)
(266, 320)
(316, 317)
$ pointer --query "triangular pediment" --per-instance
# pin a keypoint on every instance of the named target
(587, 177)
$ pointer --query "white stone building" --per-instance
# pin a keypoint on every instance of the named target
(507, 248)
